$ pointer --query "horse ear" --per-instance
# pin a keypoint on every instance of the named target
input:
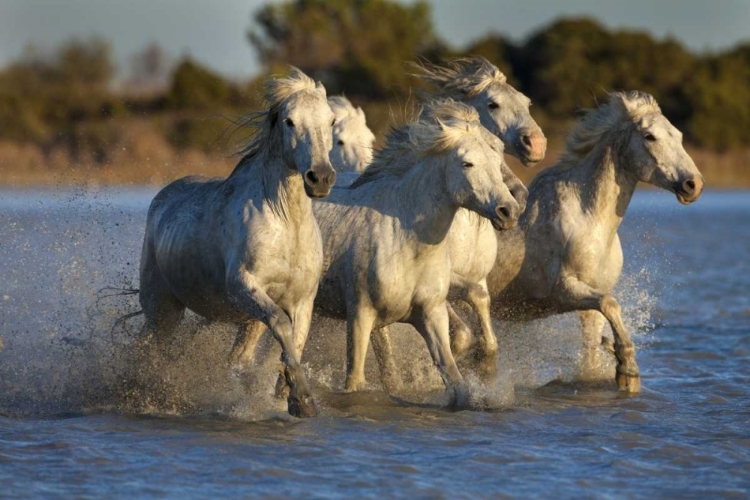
(320, 87)
(361, 112)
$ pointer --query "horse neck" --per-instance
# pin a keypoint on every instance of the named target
(605, 186)
(283, 187)
(425, 206)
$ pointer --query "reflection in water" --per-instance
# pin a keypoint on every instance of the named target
(87, 413)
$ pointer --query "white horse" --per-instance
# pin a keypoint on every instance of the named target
(247, 248)
(473, 246)
(565, 254)
(384, 238)
(352, 139)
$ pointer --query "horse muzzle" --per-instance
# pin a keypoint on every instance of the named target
(531, 146)
(506, 217)
(319, 181)
(689, 190)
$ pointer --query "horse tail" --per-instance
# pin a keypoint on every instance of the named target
(111, 291)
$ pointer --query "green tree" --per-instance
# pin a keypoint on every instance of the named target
(357, 46)
(196, 87)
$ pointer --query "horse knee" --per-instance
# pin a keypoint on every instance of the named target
(610, 307)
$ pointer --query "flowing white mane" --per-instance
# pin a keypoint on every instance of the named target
(620, 110)
(440, 127)
(459, 78)
(277, 91)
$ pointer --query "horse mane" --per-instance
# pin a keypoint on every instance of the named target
(277, 91)
(344, 110)
(440, 126)
(621, 110)
(461, 77)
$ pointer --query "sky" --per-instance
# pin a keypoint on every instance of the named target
(213, 31)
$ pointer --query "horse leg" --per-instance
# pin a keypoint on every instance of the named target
(479, 298)
(245, 344)
(433, 326)
(460, 334)
(301, 319)
(383, 349)
(359, 328)
(592, 323)
(246, 294)
(577, 296)
(162, 310)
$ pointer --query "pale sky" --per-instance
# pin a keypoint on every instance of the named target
(213, 31)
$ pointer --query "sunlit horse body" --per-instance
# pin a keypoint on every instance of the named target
(247, 248)
(386, 254)
(352, 140)
(503, 111)
(565, 254)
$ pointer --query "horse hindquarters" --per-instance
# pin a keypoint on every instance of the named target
(161, 308)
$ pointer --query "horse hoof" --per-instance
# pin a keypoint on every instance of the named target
(460, 398)
(629, 383)
(302, 407)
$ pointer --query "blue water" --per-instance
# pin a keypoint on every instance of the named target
(66, 431)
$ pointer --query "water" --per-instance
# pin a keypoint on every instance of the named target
(72, 426)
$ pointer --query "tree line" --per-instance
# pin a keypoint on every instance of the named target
(66, 98)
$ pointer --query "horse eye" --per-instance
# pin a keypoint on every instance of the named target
(493, 105)
(340, 143)
(649, 137)
(333, 122)
(467, 164)
(289, 122)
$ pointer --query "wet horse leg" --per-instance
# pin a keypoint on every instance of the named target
(359, 327)
(479, 298)
(460, 334)
(592, 323)
(383, 349)
(243, 350)
(433, 326)
(162, 310)
(301, 319)
(575, 295)
(246, 293)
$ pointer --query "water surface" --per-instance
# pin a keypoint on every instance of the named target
(69, 429)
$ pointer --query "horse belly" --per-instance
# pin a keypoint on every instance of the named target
(196, 276)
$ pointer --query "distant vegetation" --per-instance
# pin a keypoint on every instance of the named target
(68, 110)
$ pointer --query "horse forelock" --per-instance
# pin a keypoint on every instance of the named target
(462, 77)
(622, 110)
(440, 128)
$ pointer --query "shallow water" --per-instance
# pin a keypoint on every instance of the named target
(71, 424)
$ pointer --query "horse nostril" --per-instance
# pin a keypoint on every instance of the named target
(526, 140)
(312, 177)
(503, 212)
(689, 186)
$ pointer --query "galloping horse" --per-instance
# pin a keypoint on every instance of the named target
(386, 254)
(565, 254)
(247, 248)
